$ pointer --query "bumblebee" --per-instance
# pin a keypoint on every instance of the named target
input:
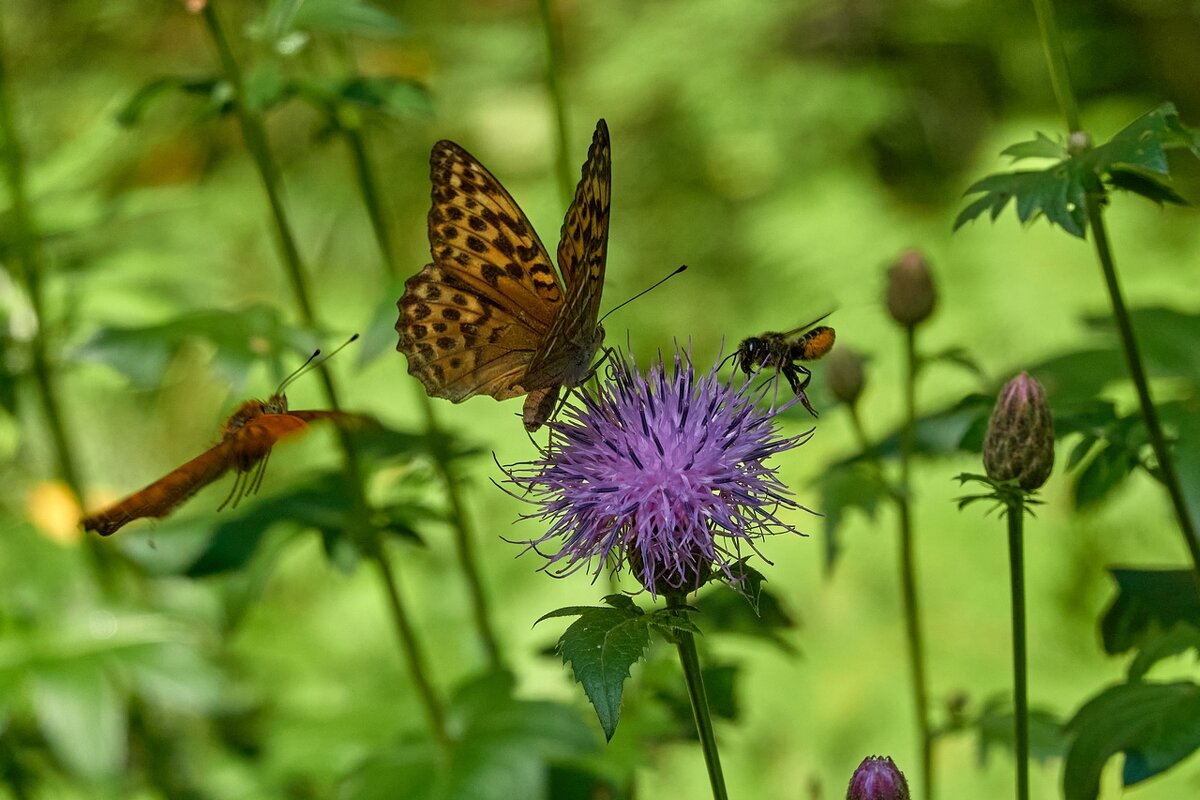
(783, 352)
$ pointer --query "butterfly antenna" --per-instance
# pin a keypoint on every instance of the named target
(309, 365)
(660, 282)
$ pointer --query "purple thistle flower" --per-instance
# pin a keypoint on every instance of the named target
(664, 471)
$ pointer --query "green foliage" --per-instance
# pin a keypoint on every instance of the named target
(746, 610)
(1156, 725)
(1148, 602)
(995, 726)
(1135, 160)
(601, 646)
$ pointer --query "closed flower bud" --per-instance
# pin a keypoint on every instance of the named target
(1019, 444)
(844, 374)
(877, 778)
(911, 295)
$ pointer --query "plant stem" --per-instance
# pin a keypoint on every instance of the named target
(908, 569)
(256, 142)
(1016, 560)
(689, 659)
(1133, 359)
(31, 263)
(553, 32)
(464, 539)
(1060, 77)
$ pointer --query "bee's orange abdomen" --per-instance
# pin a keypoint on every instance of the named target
(815, 343)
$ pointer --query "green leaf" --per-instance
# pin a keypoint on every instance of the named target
(1176, 641)
(136, 107)
(1133, 159)
(601, 646)
(241, 338)
(1106, 471)
(725, 610)
(344, 16)
(399, 97)
(82, 716)
(1040, 147)
(847, 487)
(1148, 601)
(1156, 725)
(996, 726)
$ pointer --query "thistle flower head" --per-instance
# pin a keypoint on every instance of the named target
(877, 778)
(664, 471)
(1019, 444)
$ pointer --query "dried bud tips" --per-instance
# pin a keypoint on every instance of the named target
(877, 778)
(911, 295)
(844, 374)
(1019, 444)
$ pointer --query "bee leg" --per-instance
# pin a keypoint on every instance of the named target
(791, 372)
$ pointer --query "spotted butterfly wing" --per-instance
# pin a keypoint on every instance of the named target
(490, 315)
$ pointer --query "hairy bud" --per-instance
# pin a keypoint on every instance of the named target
(1019, 444)
(877, 778)
(911, 295)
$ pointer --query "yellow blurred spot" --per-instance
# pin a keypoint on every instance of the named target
(53, 509)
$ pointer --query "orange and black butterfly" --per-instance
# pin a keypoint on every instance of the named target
(783, 351)
(490, 315)
(246, 441)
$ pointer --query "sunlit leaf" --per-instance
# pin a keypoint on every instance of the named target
(82, 716)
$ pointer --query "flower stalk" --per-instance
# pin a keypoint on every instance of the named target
(553, 32)
(689, 660)
(1016, 560)
(255, 138)
(1056, 60)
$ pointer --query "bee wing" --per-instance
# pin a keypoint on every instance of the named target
(160, 497)
(794, 331)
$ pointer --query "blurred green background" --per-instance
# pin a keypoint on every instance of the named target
(787, 152)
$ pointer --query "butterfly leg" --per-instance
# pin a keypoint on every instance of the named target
(259, 472)
(235, 491)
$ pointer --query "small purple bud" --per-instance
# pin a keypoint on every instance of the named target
(877, 778)
(911, 294)
(844, 374)
(1019, 444)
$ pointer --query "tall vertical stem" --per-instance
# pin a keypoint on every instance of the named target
(1060, 77)
(908, 569)
(689, 660)
(256, 142)
(1016, 559)
(553, 32)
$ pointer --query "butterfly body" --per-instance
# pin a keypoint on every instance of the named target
(490, 315)
(247, 437)
(782, 351)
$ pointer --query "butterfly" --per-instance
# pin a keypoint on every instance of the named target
(490, 315)
(782, 351)
(247, 438)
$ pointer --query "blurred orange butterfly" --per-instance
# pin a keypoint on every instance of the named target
(246, 441)
(490, 315)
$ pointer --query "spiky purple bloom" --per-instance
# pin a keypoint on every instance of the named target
(665, 472)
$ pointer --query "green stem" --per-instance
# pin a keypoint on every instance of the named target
(1016, 560)
(463, 536)
(1133, 360)
(553, 32)
(256, 142)
(689, 659)
(31, 263)
(1056, 58)
(1059, 75)
(908, 569)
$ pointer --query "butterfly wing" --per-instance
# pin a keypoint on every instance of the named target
(160, 497)
(564, 355)
(471, 321)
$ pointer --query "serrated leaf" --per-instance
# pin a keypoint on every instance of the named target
(600, 647)
(1156, 725)
(1040, 147)
(1176, 641)
(725, 610)
(1145, 184)
(1106, 470)
(1148, 601)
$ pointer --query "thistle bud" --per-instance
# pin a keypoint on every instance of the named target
(877, 778)
(1020, 435)
(910, 292)
(844, 374)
